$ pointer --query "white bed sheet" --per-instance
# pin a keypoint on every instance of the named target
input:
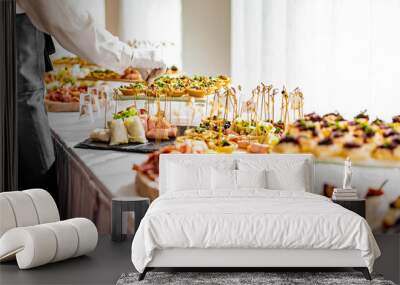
(252, 218)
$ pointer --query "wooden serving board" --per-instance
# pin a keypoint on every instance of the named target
(148, 147)
(54, 106)
(88, 78)
(146, 187)
(183, 98)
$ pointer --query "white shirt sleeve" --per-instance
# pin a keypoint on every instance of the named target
(77, 32)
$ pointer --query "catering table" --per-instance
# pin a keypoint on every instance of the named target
(89, 179)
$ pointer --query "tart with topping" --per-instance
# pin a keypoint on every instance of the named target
(362, 117)
(197, 90)
(384, 151)
(288, 144)
(396, 119)
(223, 80)
(326, 148)
(333, 117)
(314, 117)
(133, 89)
(355, 151)
(225, 146)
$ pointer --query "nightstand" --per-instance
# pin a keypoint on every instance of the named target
(121, 205)
(357, 206)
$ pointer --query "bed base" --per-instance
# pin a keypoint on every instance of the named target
(250, 259)
(363, 270)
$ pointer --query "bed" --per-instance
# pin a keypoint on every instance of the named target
(245, 211)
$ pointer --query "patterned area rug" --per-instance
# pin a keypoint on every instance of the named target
(233, 278)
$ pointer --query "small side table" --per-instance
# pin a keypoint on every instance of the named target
(357, 206)
(121, 205)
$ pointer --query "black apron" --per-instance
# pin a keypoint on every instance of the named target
(35, 146)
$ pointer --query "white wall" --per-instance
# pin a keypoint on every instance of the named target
(112, 8)
(206, 28)
(203, 40)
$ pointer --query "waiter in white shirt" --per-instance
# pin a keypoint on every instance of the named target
(76, 31)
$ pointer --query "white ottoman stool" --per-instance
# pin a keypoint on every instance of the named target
(31, 232)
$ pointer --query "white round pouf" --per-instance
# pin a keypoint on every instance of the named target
(67, 240)
(37, 245)
(32, 246)
(46, 208)
(7, 218)
(23, 208)
(87, 234)
(30, 230)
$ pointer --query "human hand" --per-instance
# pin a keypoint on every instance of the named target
(149, 75)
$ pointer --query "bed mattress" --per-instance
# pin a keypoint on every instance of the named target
(250, 219)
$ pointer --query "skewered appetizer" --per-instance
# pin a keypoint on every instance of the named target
(158, 128)
(258, 148)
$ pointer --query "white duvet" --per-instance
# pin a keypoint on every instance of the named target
(250, 219)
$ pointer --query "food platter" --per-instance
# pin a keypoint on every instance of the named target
(69, 61)
(54, 106)
(88, 78)
(139, 97)
(170, 87)
(130, 75)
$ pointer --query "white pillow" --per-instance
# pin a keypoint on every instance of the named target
(223, 179)
(184, 177)
(293, 179)
(251, 178)
(283, 173)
